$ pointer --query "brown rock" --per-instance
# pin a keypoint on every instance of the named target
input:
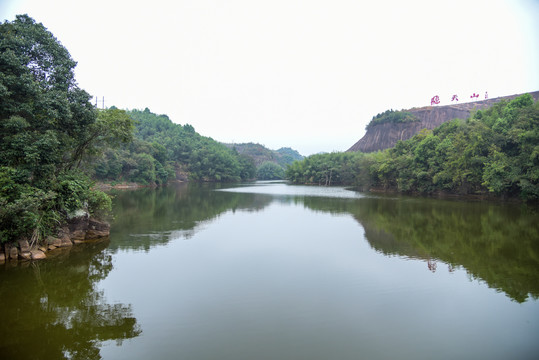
(78, 235)
(65, 242)
(24, 246)
(51, 247)
(54, 241)
(97, 229)
(38, 255)
(63, 239)
(78, 222)
(26, 255)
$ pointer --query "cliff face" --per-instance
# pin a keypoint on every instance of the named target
(383, 136)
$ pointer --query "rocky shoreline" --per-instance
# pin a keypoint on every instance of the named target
(80, 228)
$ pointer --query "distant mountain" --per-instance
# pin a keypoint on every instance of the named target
(260, 154)
(288, 156)
(387, 128)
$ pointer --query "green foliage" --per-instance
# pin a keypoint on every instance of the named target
(260, 154)
(160, 147)
(393, 117)
(495, 151)
(99, 204)
(25, 211)
(47, 127)
(326, 169)
(269, 171)
(286, 156)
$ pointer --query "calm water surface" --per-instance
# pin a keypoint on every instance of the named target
(272, 271)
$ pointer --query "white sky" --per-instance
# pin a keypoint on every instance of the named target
(308, 74)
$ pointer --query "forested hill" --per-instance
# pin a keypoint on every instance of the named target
(162, 151)
(387, 128)
(260, 154)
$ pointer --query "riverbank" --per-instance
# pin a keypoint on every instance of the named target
(123, 185)
(448, 195)
(80, 228)
(130, 185)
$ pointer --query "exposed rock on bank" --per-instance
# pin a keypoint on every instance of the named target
(386, 135)
(80, 228)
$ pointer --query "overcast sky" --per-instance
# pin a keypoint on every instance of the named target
(306, 74)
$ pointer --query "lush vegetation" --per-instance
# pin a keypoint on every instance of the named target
(327, 169)
(393, 117)
(270, 164)
(47, 129)
(260, 154)
(162, 151)
(269, 171)
(495, 151)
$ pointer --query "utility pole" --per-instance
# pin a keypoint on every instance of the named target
(102, 102)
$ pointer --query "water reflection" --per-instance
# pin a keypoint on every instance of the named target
(173, 212)
(247, 285)
(496, 243)
(52, 309)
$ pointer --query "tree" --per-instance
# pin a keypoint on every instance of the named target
(47, 125)
(269, 171)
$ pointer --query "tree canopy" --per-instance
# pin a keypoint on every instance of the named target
(162, 151)
(393, 117)
(269, 171)
(495, 151)
(47, 127)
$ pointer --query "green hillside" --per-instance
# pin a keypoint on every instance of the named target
(260, 154)
(162, 151)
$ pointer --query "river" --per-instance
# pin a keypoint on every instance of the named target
(274, 271)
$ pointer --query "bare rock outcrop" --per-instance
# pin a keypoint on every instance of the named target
(80, 228)
(384, 136)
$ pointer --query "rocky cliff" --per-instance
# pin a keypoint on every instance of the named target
(383, 136)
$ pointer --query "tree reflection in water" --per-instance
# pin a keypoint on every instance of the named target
(53, 309)
(495, 242)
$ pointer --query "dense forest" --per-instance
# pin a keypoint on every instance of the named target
(270, 164)
(48, 129)
(260, 154)
(162, 150)
(495, 151)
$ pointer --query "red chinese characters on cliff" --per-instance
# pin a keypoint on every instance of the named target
(435, 100)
